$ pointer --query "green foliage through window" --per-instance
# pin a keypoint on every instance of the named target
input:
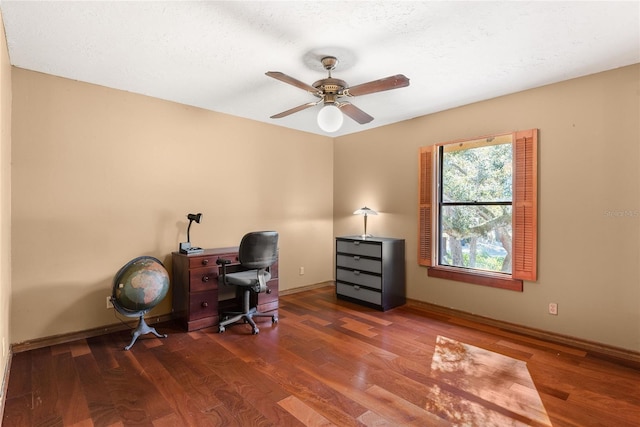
(475, 202)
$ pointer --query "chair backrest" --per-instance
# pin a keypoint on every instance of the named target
(258, 249)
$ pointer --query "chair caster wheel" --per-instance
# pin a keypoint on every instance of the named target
(255, 331)
(274, 319)
(221, 329)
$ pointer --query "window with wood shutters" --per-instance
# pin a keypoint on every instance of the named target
(478, 210)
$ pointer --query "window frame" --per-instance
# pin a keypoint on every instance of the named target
(524, 216)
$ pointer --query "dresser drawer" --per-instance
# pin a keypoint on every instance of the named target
(358, 263)
(203, 279)
(359, 293)
(356, 247)
(203, 304)
(359, 278)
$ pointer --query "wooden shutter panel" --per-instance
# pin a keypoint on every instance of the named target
(525, 205)
(425, 215)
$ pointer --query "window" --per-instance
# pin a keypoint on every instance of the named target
(478, 210)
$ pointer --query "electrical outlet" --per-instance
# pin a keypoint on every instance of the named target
(553, 308)
(109, 303)
(301, 271)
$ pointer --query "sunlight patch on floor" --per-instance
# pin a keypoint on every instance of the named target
(480, 387)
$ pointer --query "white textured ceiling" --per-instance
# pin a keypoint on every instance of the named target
(213, 54)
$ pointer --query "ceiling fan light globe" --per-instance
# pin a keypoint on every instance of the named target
(330, 118)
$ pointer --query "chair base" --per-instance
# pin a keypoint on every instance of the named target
(246, 315)
(247, 318)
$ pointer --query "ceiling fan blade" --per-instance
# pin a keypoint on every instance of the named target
(354, 112)
(295, 110)
(290, 80)
(388, 83)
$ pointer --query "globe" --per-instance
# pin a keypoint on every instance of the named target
(138, 287)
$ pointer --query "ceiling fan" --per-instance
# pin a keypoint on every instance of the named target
(331, 92)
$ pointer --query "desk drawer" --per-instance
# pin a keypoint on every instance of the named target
(203, 279)
(357, 247)
(203, 304)
(359, 278)
(359, 293)
(358, 263)
(210, 260)
(264, 298)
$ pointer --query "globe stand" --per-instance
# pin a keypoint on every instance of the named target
(142, 328)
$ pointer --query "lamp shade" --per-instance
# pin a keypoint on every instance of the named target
(194, 217)
(330, 118)
(365, 211)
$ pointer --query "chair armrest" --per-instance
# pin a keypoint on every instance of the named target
(223, 262)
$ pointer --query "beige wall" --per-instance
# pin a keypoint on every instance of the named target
(589, 202)
(102, 176)
(5, 206)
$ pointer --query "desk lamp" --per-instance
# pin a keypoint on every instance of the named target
(365, 211)
(185, 248)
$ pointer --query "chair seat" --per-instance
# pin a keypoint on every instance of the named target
(246, 278)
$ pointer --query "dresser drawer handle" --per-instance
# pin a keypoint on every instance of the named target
(356, 243)
(356, 258)
(205, 279)
(356, 287)
(356, 272)
(205, 261)
(205, 304)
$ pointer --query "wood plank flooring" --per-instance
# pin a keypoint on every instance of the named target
(325, 363)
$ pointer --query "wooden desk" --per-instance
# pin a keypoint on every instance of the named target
(197, 299)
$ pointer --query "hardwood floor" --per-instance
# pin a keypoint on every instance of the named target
(325, 363)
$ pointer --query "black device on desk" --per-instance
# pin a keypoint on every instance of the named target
(186, 248)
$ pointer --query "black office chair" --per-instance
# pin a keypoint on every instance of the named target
(258, 251)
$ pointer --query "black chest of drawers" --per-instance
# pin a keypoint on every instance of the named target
(371, 271)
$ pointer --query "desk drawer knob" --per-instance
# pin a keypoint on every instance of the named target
(205, 261)
(205, 278)
(205, 304)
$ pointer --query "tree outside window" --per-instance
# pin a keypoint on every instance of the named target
(475, 205)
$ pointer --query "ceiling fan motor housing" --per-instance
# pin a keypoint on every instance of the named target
(330, 85)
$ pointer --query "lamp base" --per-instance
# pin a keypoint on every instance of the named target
(364, 236)
(186, 248)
